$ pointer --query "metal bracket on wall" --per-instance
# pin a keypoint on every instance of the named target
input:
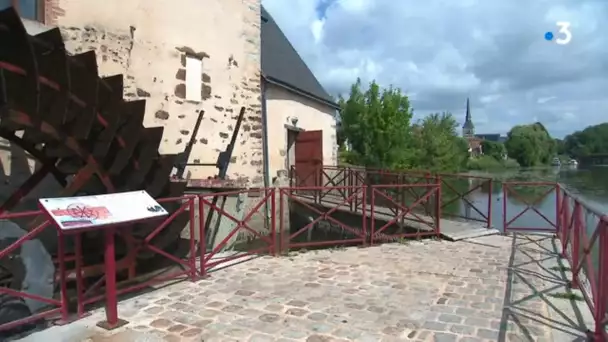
(182, 158)
(222, 163)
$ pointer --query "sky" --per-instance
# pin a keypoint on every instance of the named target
(439, 52)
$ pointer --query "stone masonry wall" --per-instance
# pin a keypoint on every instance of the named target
(148, 41)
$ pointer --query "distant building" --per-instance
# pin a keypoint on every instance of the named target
(489, 137)
(474, 140)
(468, 132)
(468, 129)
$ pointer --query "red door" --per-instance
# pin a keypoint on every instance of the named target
(309, 158)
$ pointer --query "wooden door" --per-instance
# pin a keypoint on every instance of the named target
(309, 158)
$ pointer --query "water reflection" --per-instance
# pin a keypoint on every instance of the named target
(591, 185)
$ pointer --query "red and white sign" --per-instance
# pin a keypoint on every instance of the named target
(102, 210)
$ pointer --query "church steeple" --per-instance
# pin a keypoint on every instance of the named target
(468, 129)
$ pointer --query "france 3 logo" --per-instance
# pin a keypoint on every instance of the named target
(563, 36)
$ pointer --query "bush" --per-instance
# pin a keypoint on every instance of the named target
(346, 157)
(510, 163)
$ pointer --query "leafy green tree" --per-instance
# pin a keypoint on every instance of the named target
(530, 145)
(591, 140)
(560, 147)
(436, 144)
(493, 149)
(340, 138)
(376, 123)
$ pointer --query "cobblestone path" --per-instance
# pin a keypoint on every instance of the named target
(421, 291)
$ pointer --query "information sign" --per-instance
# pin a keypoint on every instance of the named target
(101, 210)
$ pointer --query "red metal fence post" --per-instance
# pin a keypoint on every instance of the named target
(192, 230)
(505, 191)
(438, 206)
(317, 192)
(490, 184)
(372, 194)
(112, 321)
(273, 221)
(565, 225)
(281, 233)
(361, 190)
(558, 223)
(63, 282)
(601, 303)
(79, 281)
(351, 182)
(202, 238)
(428, 179)
(576, 243)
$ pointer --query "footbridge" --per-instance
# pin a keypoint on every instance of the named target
(398, 205)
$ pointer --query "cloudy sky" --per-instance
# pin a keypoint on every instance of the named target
(441, 51)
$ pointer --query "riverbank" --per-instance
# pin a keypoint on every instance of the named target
(487, 163)
(530, 174)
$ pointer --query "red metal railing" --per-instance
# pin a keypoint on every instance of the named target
(399, 211)
(325, 218)
(457, 189)
(452, 194)
(539, 193)
(353, 199)
(583, 235)
(257, 223)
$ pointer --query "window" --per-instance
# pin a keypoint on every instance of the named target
(29, 9)
(194, 72)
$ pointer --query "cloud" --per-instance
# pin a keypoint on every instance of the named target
(443, 51)
(542, 100)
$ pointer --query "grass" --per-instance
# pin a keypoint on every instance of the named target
(487, 163)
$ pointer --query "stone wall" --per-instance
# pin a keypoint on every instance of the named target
(148, 42)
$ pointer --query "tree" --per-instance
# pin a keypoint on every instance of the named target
(340, 139)
(436, 144)
(560, 147)
(591, 140)
(493, 149)
(376, 123)
(530, 145)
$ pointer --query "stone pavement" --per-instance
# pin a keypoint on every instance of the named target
(491, 288)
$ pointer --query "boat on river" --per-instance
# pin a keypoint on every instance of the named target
(556, 162)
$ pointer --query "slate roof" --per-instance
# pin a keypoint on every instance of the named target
(282, 65)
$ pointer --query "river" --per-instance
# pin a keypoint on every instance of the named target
(591, 185)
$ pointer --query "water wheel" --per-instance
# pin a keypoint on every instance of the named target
(81, 131)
